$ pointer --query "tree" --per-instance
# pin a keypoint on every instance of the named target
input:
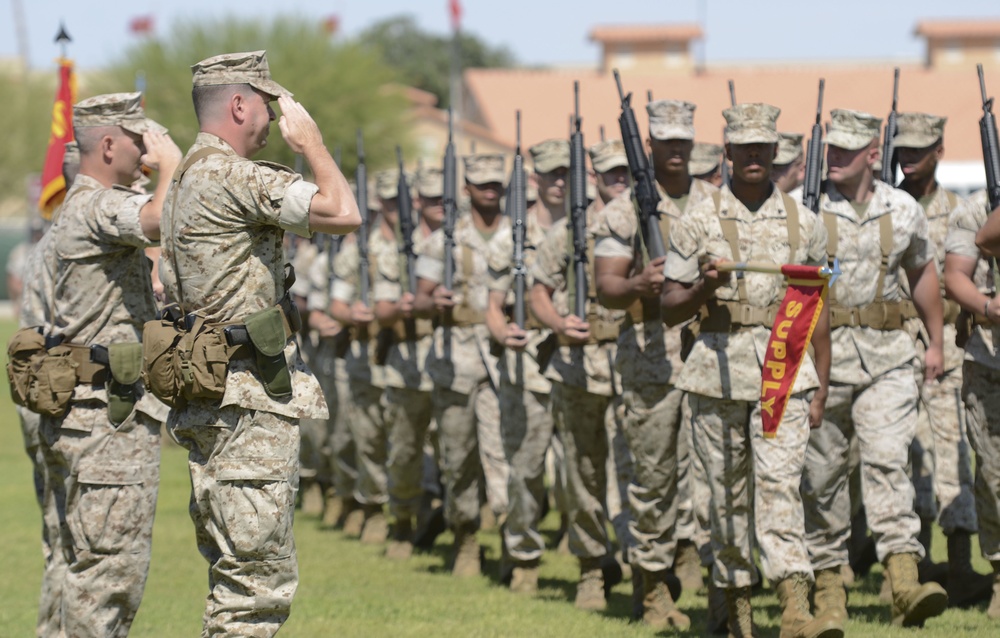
(29, 111)
(423, 59)
(343, 86)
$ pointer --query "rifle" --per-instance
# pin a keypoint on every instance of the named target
(991, 149)
(406, 226)
(517, 205)
(450, 208)
(578, 208)
(643, 181)
(724, 166)
(889, 163)
(814, 159)
(361, 179)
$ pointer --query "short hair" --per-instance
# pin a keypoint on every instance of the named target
(89, 137)
(206, 98)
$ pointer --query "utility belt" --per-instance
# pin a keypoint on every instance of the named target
(885, 315)
(44, 371)
(185, 358)
(733, 316)
(642, 310)
(950, 308)
(601, 330)
(462, 316)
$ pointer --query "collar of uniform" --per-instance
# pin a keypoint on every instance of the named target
(835, 203)
(731, 207)
(209, 139)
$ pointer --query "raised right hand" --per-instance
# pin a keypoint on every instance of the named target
(297, 126)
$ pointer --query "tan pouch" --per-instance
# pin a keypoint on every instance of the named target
(203, 362)
(24, 351)
(53, 379)
(159, 351)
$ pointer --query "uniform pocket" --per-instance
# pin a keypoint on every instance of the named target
(253, 506)
(114, 508)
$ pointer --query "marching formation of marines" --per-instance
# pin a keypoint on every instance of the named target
(392, 380)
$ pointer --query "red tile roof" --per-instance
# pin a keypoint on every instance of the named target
(958, 29)
(646, 33)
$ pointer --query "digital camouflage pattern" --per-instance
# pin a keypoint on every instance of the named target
(227, 243)
(647, 352)
(223, 228)
(763, 236)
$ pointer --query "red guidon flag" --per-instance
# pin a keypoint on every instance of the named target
(53, 184)
(790, 335)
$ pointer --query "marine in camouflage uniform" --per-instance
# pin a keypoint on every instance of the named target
(790, 165)
(649, 356)
(875, 230)
(331, 372)
(752, 221)
(525, 414)
(102, 468)
(970, 278)
(224, 221)
(940, 449)
(706, 162)
(365, 372)
(407, 397)
(459, 363)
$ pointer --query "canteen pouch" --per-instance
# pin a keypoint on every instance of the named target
(203, 361)
(159, 350)
(24, 351)
(267, 333)
(53, 379)
(125, 362)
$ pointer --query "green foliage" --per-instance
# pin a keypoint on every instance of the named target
(423, 59)
(343, 86)
(26, 138)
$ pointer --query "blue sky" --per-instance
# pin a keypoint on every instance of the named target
(537, 31)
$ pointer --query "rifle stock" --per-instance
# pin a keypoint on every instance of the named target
(643, 181)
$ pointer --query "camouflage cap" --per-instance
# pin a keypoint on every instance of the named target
(789, 148)
(430, 182)
(238, 68)
(607, 155)
(752, 123)
(852, 130)
(671, 120)
(918, 130)
(71, 154)
(704, 158)
(387, 184)
(484, 168)
(115, 109)
(549, 155)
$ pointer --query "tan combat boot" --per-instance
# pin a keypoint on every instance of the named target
(658, 609)
(912, 603)
(687, 566)
(717, 618)
(354, 519)
(993, 611)
(740, 612)
(375, 530)
(524, 577)
(333, 508)
(590, 589)
(965, 586)
(401, 545)
(796, 621)
(466, 554)
(830, 597)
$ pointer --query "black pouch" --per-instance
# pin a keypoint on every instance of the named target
(125, 363)
(546, 349)
(267, 333)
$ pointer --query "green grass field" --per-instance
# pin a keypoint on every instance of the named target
(347, 589)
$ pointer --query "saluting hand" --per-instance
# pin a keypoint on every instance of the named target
(161, 152)
(297, 126)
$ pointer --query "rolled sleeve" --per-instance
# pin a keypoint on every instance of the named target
(343, 291)
(386, 291)
(682, 269)
(961, 241)
(294, 213)
(613, 247)
(317, 300)
(128, 224)
(430, 269)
